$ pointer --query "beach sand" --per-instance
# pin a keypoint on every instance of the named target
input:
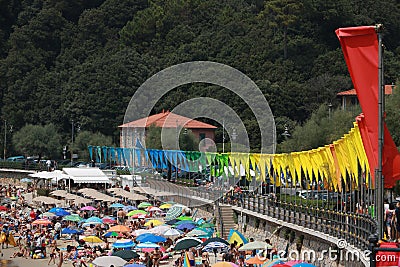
(6, 261)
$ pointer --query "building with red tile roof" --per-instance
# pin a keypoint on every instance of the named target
(349, 97)
(135, 130)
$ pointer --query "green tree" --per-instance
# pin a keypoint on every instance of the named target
(38, 140)
(280, 15)
(321, 129)
(86, 138)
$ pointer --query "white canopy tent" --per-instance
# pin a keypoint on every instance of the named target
(86, 175)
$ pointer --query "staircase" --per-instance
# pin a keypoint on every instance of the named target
(224, 215)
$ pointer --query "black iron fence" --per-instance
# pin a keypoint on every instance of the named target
(353, 227)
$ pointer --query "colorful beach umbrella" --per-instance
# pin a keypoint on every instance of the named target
(182, 222)
(69, 231)
(94, 219)
(153, 222)
(150, 238)
(160, 229)
(42, 222)
(214, 245)
(215, 239)
(187, 242)
(154, 209)
(235, 235)
(129, 208)
(90, 208)
(172, 233)
(272, 262)
(165, 206)
(123, 243)
(184, 218)
(135, 212)
(174, 212)
(187, 226)
(117, 205)
(197, 232)
(254, 245)
(73, 218)
(92, 239)
(126, 254)
(293, 262)
(256, 260)
(113, 234)
(119, 228)
(147, 245)
(144, 205)
(108, 261)
(108, 220)
(59, 211)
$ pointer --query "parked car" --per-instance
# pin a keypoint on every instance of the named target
(16, 159)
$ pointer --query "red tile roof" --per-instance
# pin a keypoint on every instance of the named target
(168, 120)
(388, 91)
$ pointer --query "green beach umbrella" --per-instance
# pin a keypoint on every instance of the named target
(184, 218)
(126, 254)
(174, 212)
(134, 212)
(73, 218)
(144, 205)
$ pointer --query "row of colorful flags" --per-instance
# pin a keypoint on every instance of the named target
(344, 160)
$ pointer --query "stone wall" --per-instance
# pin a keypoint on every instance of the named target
(296, 244)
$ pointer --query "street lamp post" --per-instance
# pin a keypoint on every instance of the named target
(72, 141)
(223, 136)
(72, 138)
(5, 138)
(234, 136)
(330, 109)
(286, 133)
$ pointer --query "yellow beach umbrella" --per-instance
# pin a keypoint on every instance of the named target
(92, 239)
(165, 206)
(154, 222)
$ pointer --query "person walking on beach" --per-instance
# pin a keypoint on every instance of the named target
(53, 253)
(61, 256)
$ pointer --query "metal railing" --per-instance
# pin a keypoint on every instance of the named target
(355, 228)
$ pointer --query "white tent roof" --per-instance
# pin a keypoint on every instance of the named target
(86, 175)
(49, 175)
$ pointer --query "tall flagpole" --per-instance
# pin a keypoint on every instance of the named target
(379, 177)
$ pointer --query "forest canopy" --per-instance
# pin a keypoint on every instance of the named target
(82, 61)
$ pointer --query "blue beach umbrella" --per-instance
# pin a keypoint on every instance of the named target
(303, 264)
(59, 212)
(188, 226)
(117, 205)
(124, 243)
(150, 238)
(129, 208)
(94, 219)
(69, 231)
(147, 245)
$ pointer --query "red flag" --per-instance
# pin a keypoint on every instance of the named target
(360, 49)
